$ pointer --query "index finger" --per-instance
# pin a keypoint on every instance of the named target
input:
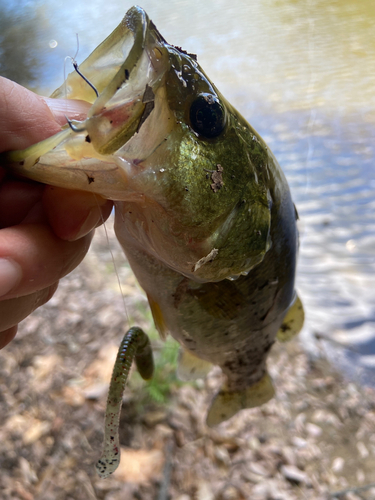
(27, 118)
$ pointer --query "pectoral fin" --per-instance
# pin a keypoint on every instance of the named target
(190, 367)
(293, 322)
(157, 314)
(226, 404)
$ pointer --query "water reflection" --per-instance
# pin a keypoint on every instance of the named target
(303, 73)
(19, 44)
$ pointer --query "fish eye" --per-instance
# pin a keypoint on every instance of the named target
(207, 116)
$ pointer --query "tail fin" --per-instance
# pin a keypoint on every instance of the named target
(293, 321)
(226, 404)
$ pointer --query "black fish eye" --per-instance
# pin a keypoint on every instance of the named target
(207, 116)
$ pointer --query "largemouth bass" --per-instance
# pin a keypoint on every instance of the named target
(203, 210)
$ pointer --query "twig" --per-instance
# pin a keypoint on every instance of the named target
(356, 489)
(164, 488)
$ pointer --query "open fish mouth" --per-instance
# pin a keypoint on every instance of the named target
(122, 79)
(125, 70)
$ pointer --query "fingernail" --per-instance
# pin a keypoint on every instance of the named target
(10, 275)
(74, 109)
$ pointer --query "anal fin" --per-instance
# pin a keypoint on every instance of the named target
(191, 367)
(293, 322)
(226, 404)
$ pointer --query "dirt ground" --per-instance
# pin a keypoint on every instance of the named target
(315, 440)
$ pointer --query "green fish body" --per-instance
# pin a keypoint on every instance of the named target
(203, 210)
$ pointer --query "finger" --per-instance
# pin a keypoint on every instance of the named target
(13, 311)
(73, 214)
(27, 118)
(17, 198)
(71, 108)
(7, 336)
(32, 258)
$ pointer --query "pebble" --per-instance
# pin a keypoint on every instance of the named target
(289, 455)
(362, 450)
(299, 422)
(253, 478)
(204, 491)
(36, 430)
(361, 477)
(325, 417)
(338, 464)
(222, 455)
(96, 390)
(298, 442)
(254, 443)
(352, 496)
(153, 418)
(230, 493)
(269, 489)
(313, 430)
(295, 475)
(27, 472)
(258, 469)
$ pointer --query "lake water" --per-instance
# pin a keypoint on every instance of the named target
(303, 73)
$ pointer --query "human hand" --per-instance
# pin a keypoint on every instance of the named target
(45, 231)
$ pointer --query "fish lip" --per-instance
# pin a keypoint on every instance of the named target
(95, 147)
(137, 22)
(125, 103)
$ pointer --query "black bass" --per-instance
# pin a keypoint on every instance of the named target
(203, 210)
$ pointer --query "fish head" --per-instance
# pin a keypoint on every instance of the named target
(190, 175)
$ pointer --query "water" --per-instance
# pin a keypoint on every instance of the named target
(303, 73)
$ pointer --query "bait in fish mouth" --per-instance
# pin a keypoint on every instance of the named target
(202, 211)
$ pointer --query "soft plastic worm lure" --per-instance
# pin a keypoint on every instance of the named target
(135, 344)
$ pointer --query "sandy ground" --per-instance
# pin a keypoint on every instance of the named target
(315, 439)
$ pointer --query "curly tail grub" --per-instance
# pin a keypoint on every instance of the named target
(134, 344)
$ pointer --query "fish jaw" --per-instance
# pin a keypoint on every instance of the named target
(127, 70)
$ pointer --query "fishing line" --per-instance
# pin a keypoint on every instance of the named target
(135, 346)
(113, 260)
(155, 347)
(73, 59)
(76, 68)
(75, 129)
